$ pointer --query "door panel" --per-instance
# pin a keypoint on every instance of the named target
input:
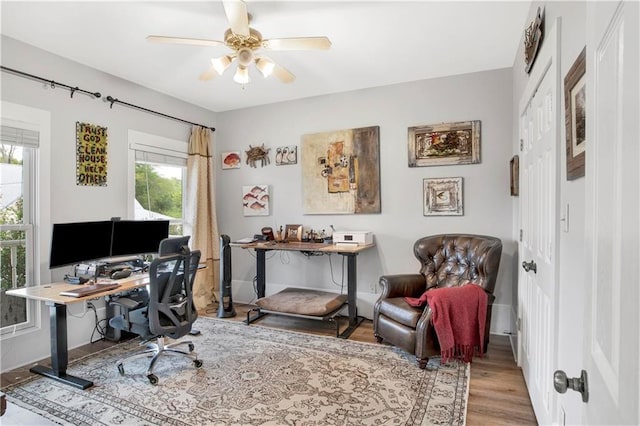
(538, 287)
(612, 211)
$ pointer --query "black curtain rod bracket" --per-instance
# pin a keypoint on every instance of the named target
(51, 83)
(113, 100)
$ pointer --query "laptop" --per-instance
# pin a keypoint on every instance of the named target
(88, 290)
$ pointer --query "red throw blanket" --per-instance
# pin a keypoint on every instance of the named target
(459, 315)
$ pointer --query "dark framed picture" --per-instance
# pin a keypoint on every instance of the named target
(444, 144)
(514, 172)
(293, 233)
(575, 117)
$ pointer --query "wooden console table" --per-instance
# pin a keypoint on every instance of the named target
(350, 251)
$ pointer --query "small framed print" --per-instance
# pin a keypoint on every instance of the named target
(293, 233)
(286, 155)
(575, 117)
(255, 200)
(514, 171)
(442, 197)
(230, 160)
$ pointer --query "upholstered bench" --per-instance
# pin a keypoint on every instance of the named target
(301, 303)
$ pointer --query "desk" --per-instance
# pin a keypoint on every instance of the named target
(50, 294)
(349, 251)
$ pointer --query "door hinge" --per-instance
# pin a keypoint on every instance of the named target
(520, 238)
(518, 324)
(521, 144)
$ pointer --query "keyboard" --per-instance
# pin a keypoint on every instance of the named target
(88, 290)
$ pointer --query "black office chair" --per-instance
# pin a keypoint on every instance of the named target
(170, 312)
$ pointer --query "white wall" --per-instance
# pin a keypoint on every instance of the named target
(571, 251)
(69, 202)
(484, 96)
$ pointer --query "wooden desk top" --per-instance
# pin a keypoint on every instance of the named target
(301, 246)
(51, 292)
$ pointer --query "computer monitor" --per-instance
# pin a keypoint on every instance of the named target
(138, 236)
(78, 242)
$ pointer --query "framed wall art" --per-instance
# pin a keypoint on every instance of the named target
(255, 200)
(514, 172)
(293, 233)
(231, 160)
(341, 171)
(533, 39)
(444, 144)
(286, 155)
(442, 197)
(575, 117)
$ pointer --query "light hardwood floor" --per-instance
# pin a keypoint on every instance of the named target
(497, 394)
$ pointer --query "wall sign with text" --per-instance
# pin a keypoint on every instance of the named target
(91, 155)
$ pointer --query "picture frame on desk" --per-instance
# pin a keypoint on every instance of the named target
(293, 233)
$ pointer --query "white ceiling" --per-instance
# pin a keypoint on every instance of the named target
(374, 43)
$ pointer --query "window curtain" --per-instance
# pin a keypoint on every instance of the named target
(200, 220)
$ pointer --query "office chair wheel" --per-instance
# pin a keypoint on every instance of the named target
(197, 363)
(153, 379)
(191, 347)
(121, 369)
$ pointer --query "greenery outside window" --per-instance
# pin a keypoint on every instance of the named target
(159, 193)
(17, 197)
(159, 179)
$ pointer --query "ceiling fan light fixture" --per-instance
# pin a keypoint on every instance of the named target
(265, 66)
(221, 64)
(242, 75)
(245, 56)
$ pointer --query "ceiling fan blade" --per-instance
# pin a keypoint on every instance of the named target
(181, 40)
(283, 74)
(209, 74)
(297, 43)
(267, 67)
(238, 17)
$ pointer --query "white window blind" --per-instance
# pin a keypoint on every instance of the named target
(22, 137)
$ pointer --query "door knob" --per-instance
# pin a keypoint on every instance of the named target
(579, 384)
(530, 266)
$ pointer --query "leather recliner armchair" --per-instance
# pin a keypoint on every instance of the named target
(447, 260)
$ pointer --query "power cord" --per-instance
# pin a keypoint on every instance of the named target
(100, 324)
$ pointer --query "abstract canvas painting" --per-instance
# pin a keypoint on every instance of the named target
(255, 200)
(341, 171)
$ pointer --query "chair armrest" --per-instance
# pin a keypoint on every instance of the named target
(411, 285)
(125, 303)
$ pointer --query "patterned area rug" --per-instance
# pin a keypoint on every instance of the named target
(254, 375)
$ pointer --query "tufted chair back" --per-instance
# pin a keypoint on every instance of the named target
(446, 260)
(450, 260)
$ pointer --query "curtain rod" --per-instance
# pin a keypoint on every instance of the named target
(53, 84)
(110, 99)
(113, 100)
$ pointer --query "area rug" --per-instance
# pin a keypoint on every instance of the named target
(253, 375)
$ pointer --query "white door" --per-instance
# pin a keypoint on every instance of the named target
(537, 291)
(611, 323)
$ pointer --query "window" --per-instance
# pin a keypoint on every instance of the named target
(18, 151)
(159, 179)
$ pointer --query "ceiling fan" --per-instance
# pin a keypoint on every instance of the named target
(245, 43)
